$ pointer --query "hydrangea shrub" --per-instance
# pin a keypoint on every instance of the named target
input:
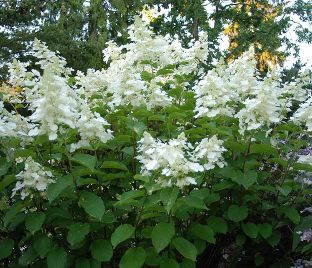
(153, 161)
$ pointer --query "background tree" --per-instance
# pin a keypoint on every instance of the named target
(79, 29)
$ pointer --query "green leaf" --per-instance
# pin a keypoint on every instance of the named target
(250, 229)
(55, 189)
(169, 196)
(168, 263)
(6, 181)
(265, 149)
(82, 263)
(34, 221)
(57, 258)
(265, 230)
(101, 250)
(6, 248)
(292, 214)
(164, 71)
(4, 166)
(217, 224)
(122, 233)
(114, 165)
(186, 248)
(77, 232)
(237, 213)
(95, 263)
(43, 245)
(14, 213)
(274, 239)
(85, 160)
(161, 235)
(127, 198)
(146, 76)
(284, 190)
(194, 202)
(187, 264)
(28, 257)
(204, 232)
(240, 240)
(302, 166)
(92, 204)
(250, 177)
(133, 258)
(259, 260)
(246, 179)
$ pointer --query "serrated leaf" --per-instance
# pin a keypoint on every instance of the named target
(237, 213)
(114, 165)
(4, 166)
(133, 258)
(82, 263)
(6, 248)
(265, 149)
(146, 76)
(34, 221)
(274, 239)
(28, 257)
(265, 230)
(185, 248)
(204, 232)
(250, 229)
(77, 232)
(217, 224)
(57, 258)
(6, 181)
(240, 240)
(169, 196)
(195, 202)
(128, 198)
(245, 179)
(168, 263)
(55, 189)
(161, 235)
(43, 245)
(85, 160)
(101, 250)
(92, 204)
(292, 214)
(122, 233)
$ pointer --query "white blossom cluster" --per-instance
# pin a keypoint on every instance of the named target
(55, 105)
(13, 125)
(304, 114)
(236, 90)
(32, 178)
(138, 71)
(209, 152)
(174, 162)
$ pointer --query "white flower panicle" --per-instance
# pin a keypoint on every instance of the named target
(236, 90)
(91, 127)
(143, 66)
(32, 178)
(13, 124)
(49, 60)
(176, 161)
(263, 109)
(54, 106)
(304, 114)
(18, 74)
(209, 151)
